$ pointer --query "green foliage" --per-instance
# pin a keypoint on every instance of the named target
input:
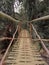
(7, 6)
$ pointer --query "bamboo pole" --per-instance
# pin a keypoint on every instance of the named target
(41, 18)
(2, 60)
(43, 45)
(46, 40)
(8, 17)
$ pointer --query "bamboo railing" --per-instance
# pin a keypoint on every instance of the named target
(4, 56)
(8, 17)
(42, 43)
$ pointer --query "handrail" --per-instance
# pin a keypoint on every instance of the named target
(8, 17)
(41, 18)
(44, 47)
(12, 19)
(1, 63)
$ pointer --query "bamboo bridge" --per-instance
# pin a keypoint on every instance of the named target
(24, 51)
